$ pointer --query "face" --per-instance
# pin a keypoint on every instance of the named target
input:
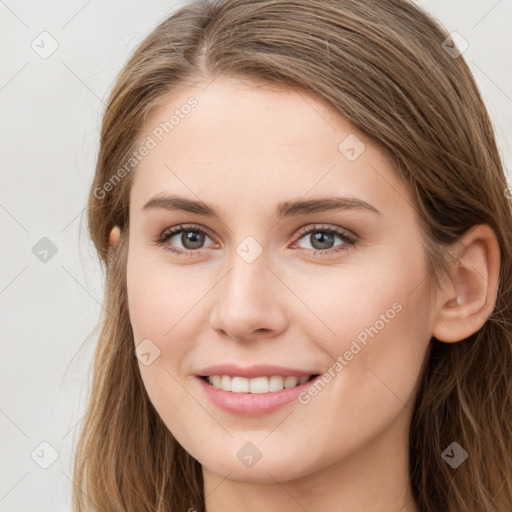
(319, 288)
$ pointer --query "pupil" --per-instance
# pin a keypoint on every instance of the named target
(192, 239)
(320, 238)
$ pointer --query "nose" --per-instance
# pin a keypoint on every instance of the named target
(250, 301)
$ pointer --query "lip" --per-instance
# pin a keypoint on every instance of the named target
(253, 404)
(250, 372)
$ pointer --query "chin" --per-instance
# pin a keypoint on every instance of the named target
(262, 472)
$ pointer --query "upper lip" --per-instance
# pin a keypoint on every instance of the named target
(259, 370)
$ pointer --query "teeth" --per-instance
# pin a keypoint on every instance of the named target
(304, 379)
(290, 382)
(276, 383)
(225, 382)
(239, 384)
(256, 385)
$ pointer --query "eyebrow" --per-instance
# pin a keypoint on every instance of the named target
(283, 209)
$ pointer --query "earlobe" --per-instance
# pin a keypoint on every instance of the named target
(113, 240)
(466, 302)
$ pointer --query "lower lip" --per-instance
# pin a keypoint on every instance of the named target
(253, 404)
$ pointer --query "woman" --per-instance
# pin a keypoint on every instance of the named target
(306, 233)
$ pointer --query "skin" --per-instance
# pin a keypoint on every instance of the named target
(242, 150)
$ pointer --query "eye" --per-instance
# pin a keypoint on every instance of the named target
(322, 239)
(192, 238)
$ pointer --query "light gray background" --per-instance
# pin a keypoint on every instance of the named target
(50, 116)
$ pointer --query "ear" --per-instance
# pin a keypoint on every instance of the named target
(466, 302)
(113, 240)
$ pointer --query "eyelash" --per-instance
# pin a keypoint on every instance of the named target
(348, 241)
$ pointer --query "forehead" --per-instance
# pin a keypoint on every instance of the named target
(257, 144)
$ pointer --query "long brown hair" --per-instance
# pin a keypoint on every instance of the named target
(383, 66)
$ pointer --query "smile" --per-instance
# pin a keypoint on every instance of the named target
(259, 385)
(253, 397)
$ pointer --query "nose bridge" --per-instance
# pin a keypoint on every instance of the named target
(248, 277)
(247, 300)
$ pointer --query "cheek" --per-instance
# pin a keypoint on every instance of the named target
(345, 302)
(163, 302)
(159, 298)
(374, 320)
(158, 312)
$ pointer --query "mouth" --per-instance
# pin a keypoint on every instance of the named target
(256, 385)
(255, 396)
(254, 390)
